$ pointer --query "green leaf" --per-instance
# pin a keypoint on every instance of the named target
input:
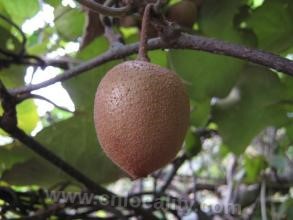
(26, 111)
(272, 23)
(158, 57)
(209, 75)
(224, 151)
(53, 3)
(4, 13)
(256, 107)
(70, 22)
(27, 115)
(288, 83)
(74, 140)
(8, 41)
(206, 75)
(82, 89)
(12, 154)
(253, 166)
(216, 20)
(289, 153)
(5, 35)
(13, 76)
(21, 10)
(222, 21)
(279, 162)
(289, 131)
(38, 49)
(285, 210)
(35, 45)
(200, 113)
(192, 144)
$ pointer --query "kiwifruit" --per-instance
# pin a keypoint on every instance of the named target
(183, 13)
(128, 21)
(141, 115)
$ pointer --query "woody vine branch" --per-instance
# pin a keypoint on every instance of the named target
(185, 41)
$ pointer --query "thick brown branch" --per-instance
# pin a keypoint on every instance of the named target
(185, 41)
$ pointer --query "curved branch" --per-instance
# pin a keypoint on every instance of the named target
(22, 51)
(105, 10)
(185, 41)
(35, 96)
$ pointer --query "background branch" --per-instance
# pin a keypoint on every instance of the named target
(263, 201)
(176, 165)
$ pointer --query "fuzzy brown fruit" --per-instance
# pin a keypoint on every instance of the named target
(183, 13)
(141, 115)
(128, 21)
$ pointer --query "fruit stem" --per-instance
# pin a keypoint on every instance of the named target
(142, 52)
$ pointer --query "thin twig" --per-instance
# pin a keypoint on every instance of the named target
(185, 41)
(230, 170)
(39, 61)
(252, 209)
(263, 200)
(194, 188)
(176, 165)
(105, 10)
(35, 96)
(62, 62)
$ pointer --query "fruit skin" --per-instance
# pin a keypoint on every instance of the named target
(129, 21)
(141, 115)
(183, 13)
